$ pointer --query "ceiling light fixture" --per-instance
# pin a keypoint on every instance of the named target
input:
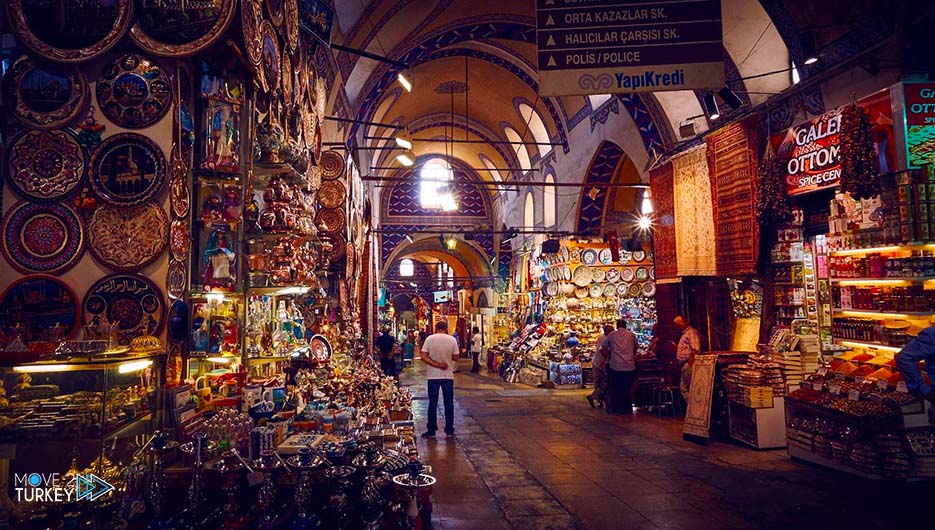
(451, 243)
(645, 222)
(807, 41)
(647, 207)
(406, 158)
(405, 79)
(404, 139)
(729, 97)
(409, 238)
(710, 106)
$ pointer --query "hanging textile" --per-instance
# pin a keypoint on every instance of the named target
(694, 214)
(733, 174)
(660, 179)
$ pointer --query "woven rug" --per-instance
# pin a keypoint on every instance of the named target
(660, 180)
(694, 214)
(733, 173)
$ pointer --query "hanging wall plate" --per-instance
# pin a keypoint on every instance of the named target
(127, 169)
(274, 10)
(133, 91)
(613, 274)
(332, 165)
(331, 220)
(180, 239)
(606, 257)
(69, 31)
(176, 279)
(290, 24)
(331, 194)
(43, 94)
(251, 16)
(179, 195)
(47, 238)
(130, 300)
(270, 56)
(589, 256)
(128, 239)
(45, 165)
(287, 77)
(38, 307)
(180, 29)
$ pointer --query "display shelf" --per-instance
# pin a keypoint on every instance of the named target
(79, 363)
(800, 453)
(786, 262)
(761, 428)
(881, 314)
(873, 250)
(868, 345)
(267, 360)
(882, 281)
(788, 305)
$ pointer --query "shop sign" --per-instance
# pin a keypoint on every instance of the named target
(317, 19)
(811, 152)
(920, 123)
(612, 46)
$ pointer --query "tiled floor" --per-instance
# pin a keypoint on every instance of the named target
(527, 458)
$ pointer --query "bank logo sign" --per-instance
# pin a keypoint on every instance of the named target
(602, 46)
(54, 488)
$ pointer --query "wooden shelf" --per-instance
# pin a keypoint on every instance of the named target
(871, 312)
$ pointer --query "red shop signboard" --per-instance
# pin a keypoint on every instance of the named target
(811, 151)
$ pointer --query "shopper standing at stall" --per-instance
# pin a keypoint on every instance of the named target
(599, 369)
(921, 348)
(688, 347)
(477, 344)
(620, 349)
(439, 351)
(386, 344)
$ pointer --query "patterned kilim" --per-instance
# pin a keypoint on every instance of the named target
(694, 214)
(664, 231)
(733, 170)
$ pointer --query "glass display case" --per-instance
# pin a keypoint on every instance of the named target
(81, 411)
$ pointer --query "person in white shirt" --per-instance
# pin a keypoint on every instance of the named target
(439, 351)
(598, 363)
(620, 352)
(688, 347)
(477, 344)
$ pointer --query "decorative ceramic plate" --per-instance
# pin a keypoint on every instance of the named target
(127, 239)
(623, 288)
(127, 169)
(638, 256)
(274, 10)
(321, 100)
(634, 290)
(609, 290)
(652, 273)
(290, 24)
(45, 165)
(288, 95)
(563, 253)
(338, 248)
(45, 238)
(574, 255)
(606, 257)
(582, 276)
(332, 165)
(251, 16)
(598, 275)
(176, 279)
(39, 307)
(626, 275)
(642, 274)
(596, 290)
(566, 273)
(551, 289)
(332, 194)
(130, 300)
(177, 331)
(133, 91)
(624, 257)
(332, 220)
(69, 31)
(613, 274)
(589, 256)
(320, 348)
(180, 29)
(581, 292)
(180, 239)
(270, 56)
(45, 95)
(649, 289)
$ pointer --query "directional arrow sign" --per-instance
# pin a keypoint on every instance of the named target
(91, 487)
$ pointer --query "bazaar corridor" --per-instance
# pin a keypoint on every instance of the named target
(528, 458)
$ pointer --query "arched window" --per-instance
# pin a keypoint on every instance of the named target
(406, 267)
(518, 147)
(537, 128)
(528, 212)
(433, 176)
(491, 169)
(548, 202)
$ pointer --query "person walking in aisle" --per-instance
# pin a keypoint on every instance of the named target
(921, 348)
(409, 348)
(599, 369)
(477, 344)
(688, 347)
(386, 345)
(620, 352)
(439, 351)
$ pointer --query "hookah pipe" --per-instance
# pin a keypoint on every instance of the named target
(306, 461)
(233, 466)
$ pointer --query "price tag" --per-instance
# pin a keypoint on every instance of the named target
(882, 384)
(839, 376)
(860, 379)
(901, 387)
(822, 371)
(853, 395)
(835, 390)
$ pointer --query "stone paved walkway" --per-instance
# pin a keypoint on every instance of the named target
(528, 458)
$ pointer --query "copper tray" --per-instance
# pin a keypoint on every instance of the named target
(332, 165)
(170, 32)
(128, 239)
(45, 95)
(334, 219)
(332, 194)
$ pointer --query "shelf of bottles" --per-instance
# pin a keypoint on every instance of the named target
(793, 276)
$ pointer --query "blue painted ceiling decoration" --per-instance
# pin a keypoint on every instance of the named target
(603, 166)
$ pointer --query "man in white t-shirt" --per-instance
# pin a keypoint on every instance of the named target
(439, 351)
(477, 344)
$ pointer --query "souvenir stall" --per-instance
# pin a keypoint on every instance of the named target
(215, 314)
